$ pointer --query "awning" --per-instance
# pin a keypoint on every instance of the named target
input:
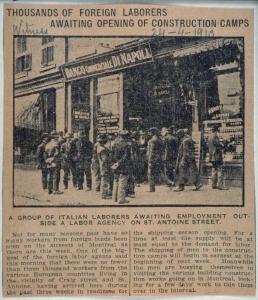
(27, 110)
(204, 47)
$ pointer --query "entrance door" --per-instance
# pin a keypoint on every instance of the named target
(81, 106)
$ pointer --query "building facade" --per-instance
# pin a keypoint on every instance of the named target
(40, 92)
(101, 85)
(191, 83)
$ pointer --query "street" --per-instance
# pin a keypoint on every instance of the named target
(28, 192)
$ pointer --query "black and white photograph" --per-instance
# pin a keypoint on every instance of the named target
(128, 121)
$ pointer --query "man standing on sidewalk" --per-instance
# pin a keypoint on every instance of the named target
(52, 160)
(155, 152)
(104, 156)
(83, 164)
(170, 152)
(186, 165)
(121, 167)
(95, 166)
(216, 158)
(41, 162)
(66, 158)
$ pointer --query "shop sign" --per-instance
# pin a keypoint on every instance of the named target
(109, 62)
(208, 46)
(81, 115)
(162, 89)
(214, 109)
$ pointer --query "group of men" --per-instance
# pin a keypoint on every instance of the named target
(119, 162)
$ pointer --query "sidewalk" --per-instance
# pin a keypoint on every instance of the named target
(28, 192)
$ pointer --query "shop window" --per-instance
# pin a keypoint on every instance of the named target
(23, 63)
(21, 44)
(48, 108)
(47, 55)
(229, 88)
(108, 104)
(47, 39)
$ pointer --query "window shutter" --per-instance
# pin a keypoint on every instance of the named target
(18, 44)
(17, 66)
(51, 53)
(44, 57)
(28, 62)
(24, 44)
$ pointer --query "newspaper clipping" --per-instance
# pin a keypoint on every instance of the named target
(128, 151)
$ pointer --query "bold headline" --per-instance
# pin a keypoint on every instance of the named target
(157, 18)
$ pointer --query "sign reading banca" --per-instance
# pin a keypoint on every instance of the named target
(108, 62)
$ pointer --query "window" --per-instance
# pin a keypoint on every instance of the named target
(47, 39)
(47, 55)
(23, 63)
(21, 44)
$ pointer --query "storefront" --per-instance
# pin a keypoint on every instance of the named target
(101, 80)
(185, 82)
(131, 87)
(38, 109)
(218, 89)
(34, 115)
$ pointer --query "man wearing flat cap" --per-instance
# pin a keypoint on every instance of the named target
(186, 167)
(95, 165)
(155, 151)
(121, 154)
(83, 165)
(104, 158)
(170, 152)
(216, 158)
(41, 162)
(66, 153)
(52, 159)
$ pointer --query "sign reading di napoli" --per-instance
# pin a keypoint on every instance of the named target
(108, 62)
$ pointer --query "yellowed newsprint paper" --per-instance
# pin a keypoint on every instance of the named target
(128, 151)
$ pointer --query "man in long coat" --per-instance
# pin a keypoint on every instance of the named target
(155, 152)
(83, 165)
(186, 167)
(66, 153)
(122, 166)
(216, 158)
(41, 162)
(104, 158)
(170, 153)
(53, 160)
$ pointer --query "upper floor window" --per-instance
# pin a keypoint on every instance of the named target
(47, 55)
(21, 44)
(47, 39)
(47, 51)
(23, 63)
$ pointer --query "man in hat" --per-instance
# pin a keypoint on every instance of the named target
(142, 164)
(186, 164)
(41, 162)
(104, 158)
(83, 165)
(95, 165)
(66, 153)
(170, 152)
(216, 158)
(52, 160)
(121, 154)
(112, 137)
(134, 164)
(73, 161)
(155, 163)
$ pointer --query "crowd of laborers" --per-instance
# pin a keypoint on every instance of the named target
(120, 162)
